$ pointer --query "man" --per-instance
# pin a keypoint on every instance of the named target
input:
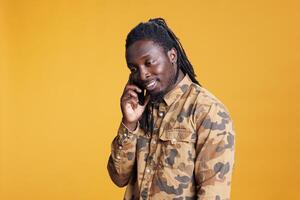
(177, 142)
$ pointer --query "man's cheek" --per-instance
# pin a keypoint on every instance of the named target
(159, 69)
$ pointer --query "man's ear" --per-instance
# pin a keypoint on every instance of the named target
(172, 54)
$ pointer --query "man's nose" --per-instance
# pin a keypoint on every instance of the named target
(144, 73)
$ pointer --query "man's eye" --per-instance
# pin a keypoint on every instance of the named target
(148, 63)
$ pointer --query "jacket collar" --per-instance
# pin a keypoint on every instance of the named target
(178, 90)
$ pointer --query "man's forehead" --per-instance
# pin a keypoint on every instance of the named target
(142, 49)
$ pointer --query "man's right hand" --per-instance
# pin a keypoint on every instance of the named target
(131, 109)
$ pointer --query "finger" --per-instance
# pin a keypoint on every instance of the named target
(132, 102)
(132, 93)
(129, 98)
(132, 87)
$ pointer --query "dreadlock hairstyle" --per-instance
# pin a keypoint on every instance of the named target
(158, 31)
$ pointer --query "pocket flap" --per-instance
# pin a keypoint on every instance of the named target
(178, 135)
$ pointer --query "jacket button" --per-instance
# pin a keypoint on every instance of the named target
(173, 141)
(161, 113)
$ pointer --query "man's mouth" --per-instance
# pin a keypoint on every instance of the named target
(150, 85)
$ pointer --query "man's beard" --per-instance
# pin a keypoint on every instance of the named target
(158, 97)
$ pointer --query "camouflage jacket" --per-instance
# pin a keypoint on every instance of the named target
(190, 154)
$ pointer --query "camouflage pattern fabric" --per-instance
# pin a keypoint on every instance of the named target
(190, 155)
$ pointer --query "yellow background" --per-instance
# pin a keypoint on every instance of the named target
(63, 70)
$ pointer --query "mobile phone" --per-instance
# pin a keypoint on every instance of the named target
(141, 95)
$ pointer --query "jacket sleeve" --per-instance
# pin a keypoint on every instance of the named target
(123, 154)
(214, 154)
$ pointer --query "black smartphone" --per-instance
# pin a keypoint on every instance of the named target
(141, 95)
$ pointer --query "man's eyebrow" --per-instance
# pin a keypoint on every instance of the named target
(142, 57)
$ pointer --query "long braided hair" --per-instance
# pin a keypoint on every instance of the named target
(158, 31)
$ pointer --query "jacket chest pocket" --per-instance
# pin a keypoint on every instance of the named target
(177, 148)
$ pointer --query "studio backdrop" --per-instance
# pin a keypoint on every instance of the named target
(63, 70)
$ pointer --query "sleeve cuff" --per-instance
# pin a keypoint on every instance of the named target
(125, 134)
(126, 129)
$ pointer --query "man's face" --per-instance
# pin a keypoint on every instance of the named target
(151, 67)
